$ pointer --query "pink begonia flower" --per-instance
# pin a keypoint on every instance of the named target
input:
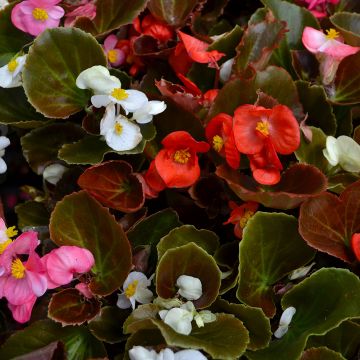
(329, 49)
(22, 280)
(86, 9)
(5, 235)
(34, 16)
(318, 7)
(61, 264)
(115, 57)
(85, 290)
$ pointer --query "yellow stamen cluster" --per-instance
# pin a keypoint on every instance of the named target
(4, 245)
(263, 127)
(118, 128)
(12, 65)
(11, 232)
(17, 269)
(245, 218)
(40, 14)
(218, 143)
(131, 289)
(332, 34)
(182, 156)
(112, 55)
(119, 94)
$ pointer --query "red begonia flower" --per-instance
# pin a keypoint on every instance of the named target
(153, 27)
(266, 165)
(153, 181)
(179, 59)
(221, 137)
(197, 50)
(355, 245)
(177, 164)
(254, 126)
(240, 215)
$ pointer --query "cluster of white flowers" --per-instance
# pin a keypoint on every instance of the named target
(10, 74)
(120, 132)
(141, 353)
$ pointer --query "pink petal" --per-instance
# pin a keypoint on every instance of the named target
(339, 50)
(313, 39)
(37, 282)
(56, 13)
(25, 243)
(22, 313)
(110, 42)
(19, 19)
(120, 58)
(17, 291)
(2, 284)
(63, 262)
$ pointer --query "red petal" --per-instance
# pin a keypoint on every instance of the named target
(189, 85)
(183, 140)
(174, 174)
(179, 59)
(284, 130)
(355, 245)
(153, 179)
(267, 176)
(196, 49)
(232, 154)
(247, 138)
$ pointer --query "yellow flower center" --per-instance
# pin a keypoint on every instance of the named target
(4, 245)
(245, 218)
(263, 127)
(332, 34)
(182, 156)
(118, 128)
(12, 65)
(119, 94)
(131, 289)
(112, 55)
(11, 232)
(218, 143)
(40, 14)
(17, 269)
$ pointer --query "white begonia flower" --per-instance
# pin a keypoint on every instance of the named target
(10, 74)
(119, 132)
(284, 322)
(300, 272)
(189, 287)
(225, 70)
(53, 173)
(135, 289)
(343, 151)
(145, 114)
(107, 89)
(141, 353)
(3, 3)
(4, 142)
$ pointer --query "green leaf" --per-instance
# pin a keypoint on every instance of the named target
(312, 152)
(180, 261)
(185, 234)
(320, 354)
(53, 351)
(11, 39)
(322, 301)
(296, 17)
(15, 109)
(92, 148)
(343, 339)
(79, 343)
(80, 220)
(70, 307)
(258, 43)
(108, 325)
(110, 15)
(316, 105)
(32, 213)
(347, 82)
(327, 222)
(226, 338)
(40, 146)
(135, 321)
(289, 193)
(349, 26)
(254, 319)
(271, 248)
(173, 12)
(54, 61)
